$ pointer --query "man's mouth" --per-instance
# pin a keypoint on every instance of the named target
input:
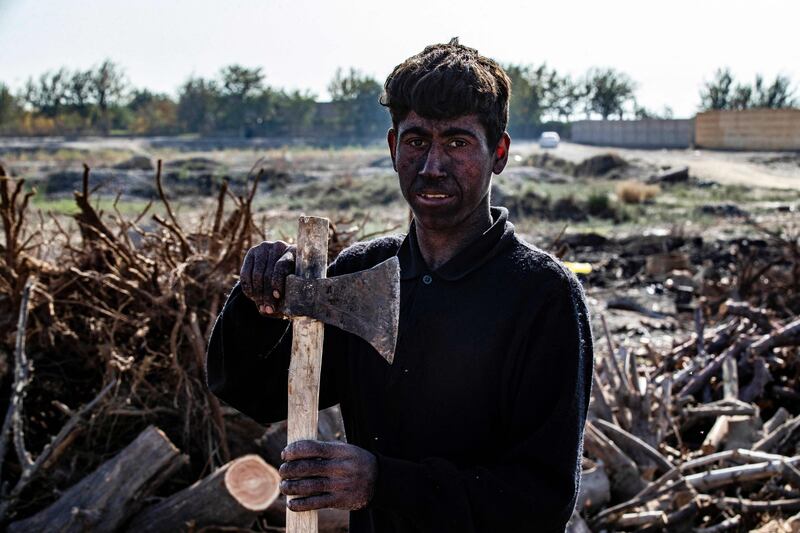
(433, 199)
(433, 195)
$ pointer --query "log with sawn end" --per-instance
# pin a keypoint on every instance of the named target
(105, 499)
(232, 496)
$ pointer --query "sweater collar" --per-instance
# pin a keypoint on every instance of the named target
(478, 252)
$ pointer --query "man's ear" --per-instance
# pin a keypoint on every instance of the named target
(501, 153)
(391, 138)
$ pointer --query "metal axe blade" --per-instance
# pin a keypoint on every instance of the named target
(365, 303)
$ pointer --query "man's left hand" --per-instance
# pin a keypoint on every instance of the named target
(327, 475)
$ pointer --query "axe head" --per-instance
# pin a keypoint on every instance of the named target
(365, 303)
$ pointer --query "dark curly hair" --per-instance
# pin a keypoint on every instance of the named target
(447, 81)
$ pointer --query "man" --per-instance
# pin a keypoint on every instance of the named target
(478, 424)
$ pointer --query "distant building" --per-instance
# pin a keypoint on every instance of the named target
(749, 129)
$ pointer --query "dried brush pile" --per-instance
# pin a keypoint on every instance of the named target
(705, 436)
(103, 333)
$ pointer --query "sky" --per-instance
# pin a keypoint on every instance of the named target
(668, 48)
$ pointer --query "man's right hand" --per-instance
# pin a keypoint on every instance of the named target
(263, 275)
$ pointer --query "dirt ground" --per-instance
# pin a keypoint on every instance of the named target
(780, 170)
(762, 169)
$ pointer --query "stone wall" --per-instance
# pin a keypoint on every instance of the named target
(647, 133)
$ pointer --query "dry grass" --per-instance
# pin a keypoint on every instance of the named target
(634, 192)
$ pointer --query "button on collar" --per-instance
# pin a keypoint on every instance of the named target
(426, 279)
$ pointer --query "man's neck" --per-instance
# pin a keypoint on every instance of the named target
(438, 246)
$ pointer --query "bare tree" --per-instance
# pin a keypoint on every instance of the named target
(79, 91)
(716, 93)
(48, 95)
(741, 97)
(8, 105)
(721, 93)
(106, 87)
(775, 96)
(608, 91)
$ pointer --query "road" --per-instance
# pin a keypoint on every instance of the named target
(780, 170)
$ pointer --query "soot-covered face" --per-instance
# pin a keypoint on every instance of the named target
(445, 167)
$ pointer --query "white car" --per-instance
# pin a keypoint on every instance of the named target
(549, 139)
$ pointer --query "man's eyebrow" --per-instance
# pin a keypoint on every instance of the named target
(454, 132)
(415, 130)
(449, 132)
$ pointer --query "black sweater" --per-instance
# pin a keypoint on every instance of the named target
(478, 424)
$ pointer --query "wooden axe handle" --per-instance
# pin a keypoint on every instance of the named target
(306, 362)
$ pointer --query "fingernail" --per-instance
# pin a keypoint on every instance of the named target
(276, 294)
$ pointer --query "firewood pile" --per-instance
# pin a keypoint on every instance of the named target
(109, 425)
(704, 436)
(103, 329)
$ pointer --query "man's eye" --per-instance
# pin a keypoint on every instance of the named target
(416, 143)
(457, 143)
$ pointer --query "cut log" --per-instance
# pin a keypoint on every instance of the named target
(737, 474)
(231, 496)
(645, 518)
(105, 499)
(741, 455)
(645, 455)
(774, 440)
(743, 431)
(577, 524)
(780, 416)
(699, 380)
(730, 378)
(625, 479)
(595, 488)
(740, 504)
(759, 317)
(599, 405)
(761, 377)
(671, 176)
(720, 408)
(726, 525)
(672, 482)
(716, 435)
(788, 335)
(679, 520)
(330, 428)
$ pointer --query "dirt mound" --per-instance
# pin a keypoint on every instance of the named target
(548, 161)
(137, 162)
(599, 165)
(532, 203)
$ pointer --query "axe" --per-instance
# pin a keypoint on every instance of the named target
(364, 303)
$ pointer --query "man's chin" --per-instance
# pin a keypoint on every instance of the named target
(436, 221)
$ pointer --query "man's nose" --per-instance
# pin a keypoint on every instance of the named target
(435, 163)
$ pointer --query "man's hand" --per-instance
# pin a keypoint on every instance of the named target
(263, 275)
(327, 475)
